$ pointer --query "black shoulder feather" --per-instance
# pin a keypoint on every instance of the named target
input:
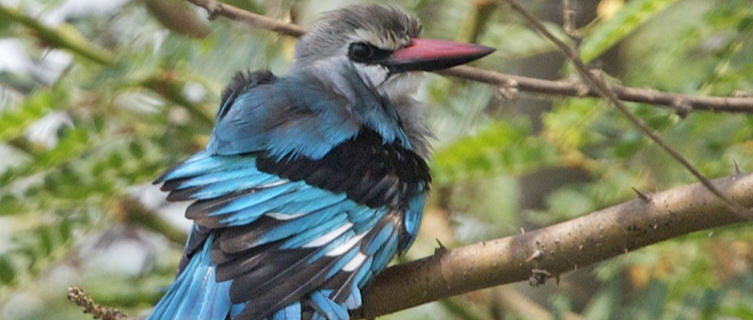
(242, 81)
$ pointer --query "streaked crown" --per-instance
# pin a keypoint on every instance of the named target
(363, 32)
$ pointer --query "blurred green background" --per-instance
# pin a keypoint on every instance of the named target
(98, 97)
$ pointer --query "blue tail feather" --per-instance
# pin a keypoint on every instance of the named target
(291, 312)
(195, 294)
(329, 308)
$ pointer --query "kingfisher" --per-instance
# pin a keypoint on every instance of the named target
(311, 182)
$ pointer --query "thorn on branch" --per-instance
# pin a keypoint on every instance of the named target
(214, 9)
(600, 74)
(646, 198)
(441, 249)
(581, 89)
(568, 22)
(535, 255)
(509, 89)
(79, 297)
(538, 277)
(737, 168)
(682, 107)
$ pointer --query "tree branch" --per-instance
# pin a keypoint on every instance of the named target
(215, 8)
(556, 249)
(61, 36)
(681, 103)
(130, 211)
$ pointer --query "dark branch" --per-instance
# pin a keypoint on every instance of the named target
(682, 103)
(562, 247)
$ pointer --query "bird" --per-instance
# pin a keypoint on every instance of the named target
(311, 182)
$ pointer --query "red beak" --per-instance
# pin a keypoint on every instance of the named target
(429, 54)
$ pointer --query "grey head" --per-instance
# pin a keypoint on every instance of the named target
(384, 38)
(383, 28)
(364, 36)
(382, 45)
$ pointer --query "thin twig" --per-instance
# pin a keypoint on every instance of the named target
(79, 297)
(681, 103)
(568, 21)
(215, 8)
(601, 87)
(64, 37)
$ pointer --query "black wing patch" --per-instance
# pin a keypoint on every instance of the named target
(368, 171)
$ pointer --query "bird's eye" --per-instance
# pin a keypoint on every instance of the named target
(360, 52)
(364, 52)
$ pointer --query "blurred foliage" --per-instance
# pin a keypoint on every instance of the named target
(605, 34)
(101, 100)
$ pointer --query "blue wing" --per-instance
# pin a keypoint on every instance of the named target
(295, 236)
(295, 116)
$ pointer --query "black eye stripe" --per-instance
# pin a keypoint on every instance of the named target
(366, 52)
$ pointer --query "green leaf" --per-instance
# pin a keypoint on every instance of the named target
(607, 33)
(37, 248)
(47, 239)
(10, 204)
(603, 303)
(649, 303)
(14, 120)
(500, 147)
(7, 273)
(75, 142)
